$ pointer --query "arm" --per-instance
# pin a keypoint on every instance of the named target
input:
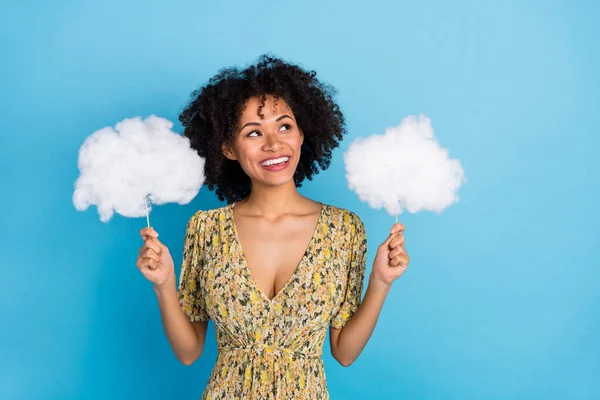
(182, 310)
(351, 331)
(351, 326)
(185, 337)
(348, 342)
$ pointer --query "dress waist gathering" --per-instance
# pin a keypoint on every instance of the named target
(262, 349)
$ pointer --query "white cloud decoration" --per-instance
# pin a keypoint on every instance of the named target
(404, 169)
(138, 162)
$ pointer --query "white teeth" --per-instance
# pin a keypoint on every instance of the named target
(275, 161)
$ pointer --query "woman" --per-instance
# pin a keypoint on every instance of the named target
(272, 269)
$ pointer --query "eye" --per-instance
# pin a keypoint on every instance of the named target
(286, 126)
(251, 133)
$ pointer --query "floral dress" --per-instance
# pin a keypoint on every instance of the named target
(271, 348)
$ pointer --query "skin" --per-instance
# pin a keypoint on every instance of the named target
(274, 205)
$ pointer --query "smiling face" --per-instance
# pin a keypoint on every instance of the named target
(268, 148)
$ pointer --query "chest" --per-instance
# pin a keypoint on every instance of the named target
(272, 251)
(256, 275)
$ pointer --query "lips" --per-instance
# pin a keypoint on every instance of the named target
(275, 157)
(276, 164)
(275, 161)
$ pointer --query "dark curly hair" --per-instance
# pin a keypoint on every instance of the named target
(213, 114)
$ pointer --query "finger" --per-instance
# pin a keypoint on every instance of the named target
(400, 261)
(397, 227)
(396, 252)
(398, 240)
(152, 244)
(389, 242)
(153, 264)
(148, 233)
(150, 254)
(142, 263)
(147, 263)
(395, 262)
(386, 244)
(161, 246)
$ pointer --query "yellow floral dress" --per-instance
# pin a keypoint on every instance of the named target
(271, 348)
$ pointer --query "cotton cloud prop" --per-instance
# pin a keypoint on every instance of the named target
(405, 168)
(138, 162)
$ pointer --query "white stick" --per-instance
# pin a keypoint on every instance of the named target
(147, 215)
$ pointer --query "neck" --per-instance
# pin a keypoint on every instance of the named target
(273, 201)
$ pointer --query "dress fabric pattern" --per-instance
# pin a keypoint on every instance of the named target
(271, 348)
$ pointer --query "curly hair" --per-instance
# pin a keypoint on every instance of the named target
(212, 118)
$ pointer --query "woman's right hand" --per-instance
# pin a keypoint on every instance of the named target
(155, 261)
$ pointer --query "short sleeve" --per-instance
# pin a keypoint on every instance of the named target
(356, 273)
(190, 296)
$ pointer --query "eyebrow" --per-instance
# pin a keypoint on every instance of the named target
(258, 123)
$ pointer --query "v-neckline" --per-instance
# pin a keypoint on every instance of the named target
(246, 268)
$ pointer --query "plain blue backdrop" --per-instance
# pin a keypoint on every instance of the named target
(502, 298)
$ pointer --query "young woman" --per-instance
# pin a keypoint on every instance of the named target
(272, 269)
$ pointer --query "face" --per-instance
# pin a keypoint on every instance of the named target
(268, 149)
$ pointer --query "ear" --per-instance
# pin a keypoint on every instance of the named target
(301, 137)
(228, 152)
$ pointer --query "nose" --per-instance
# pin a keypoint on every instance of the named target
(272, 143)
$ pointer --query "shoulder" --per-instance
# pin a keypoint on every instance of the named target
(211, 213)
(345, 218)
(201, 218)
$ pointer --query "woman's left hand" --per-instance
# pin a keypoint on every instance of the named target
(391, 259)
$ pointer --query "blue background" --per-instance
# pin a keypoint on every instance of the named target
(502, 298)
